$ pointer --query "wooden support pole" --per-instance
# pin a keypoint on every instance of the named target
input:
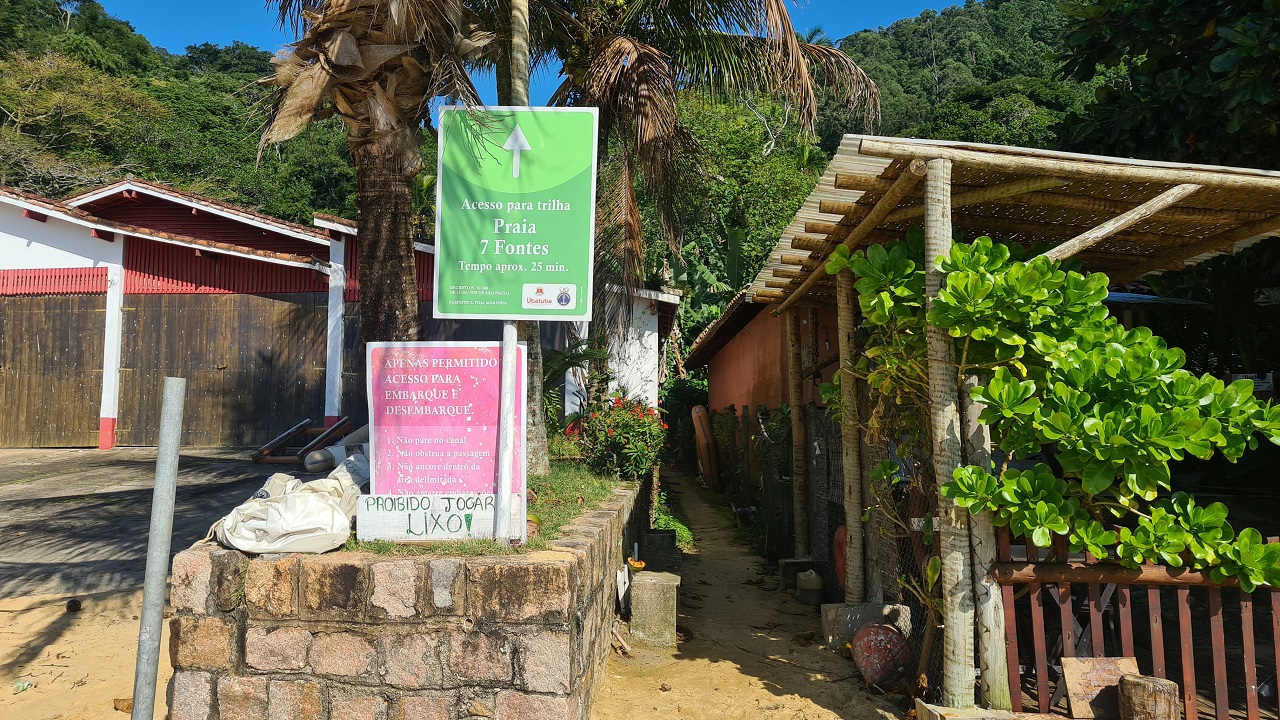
(910, 176)
(993, 686)
(1218, 243)
(944, 421)
(1148, 698)
(1120, 222)
(799, 484)
(850, 443)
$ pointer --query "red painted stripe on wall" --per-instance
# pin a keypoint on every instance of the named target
(106, 433)
(152, 268)
(57, 281)
(423, 269)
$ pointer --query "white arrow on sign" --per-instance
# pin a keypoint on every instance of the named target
(515, 144)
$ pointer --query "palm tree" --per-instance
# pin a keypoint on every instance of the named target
(632, 58)
(377, 65)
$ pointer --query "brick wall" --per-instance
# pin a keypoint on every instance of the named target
(345, 635)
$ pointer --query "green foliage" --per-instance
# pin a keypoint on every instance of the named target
(1111, 407)
(981, 72)
(622, 436)
(665, 519)
(1183, 81)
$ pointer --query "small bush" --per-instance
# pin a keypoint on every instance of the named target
(622, 436)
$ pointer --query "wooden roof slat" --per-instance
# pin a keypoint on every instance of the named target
(1122, 221)
(1216, 244)
(913, 173)
(981, 195)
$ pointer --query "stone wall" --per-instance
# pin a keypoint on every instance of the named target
(343, 635)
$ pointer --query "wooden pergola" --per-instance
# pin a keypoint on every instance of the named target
(1127, 218)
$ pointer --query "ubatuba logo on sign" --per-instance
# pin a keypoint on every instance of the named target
(533, 295)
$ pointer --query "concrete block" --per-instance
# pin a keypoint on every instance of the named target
(269, 586)
(273, 650)
(342, 654)
(654, 604)
(202, 643)
(395, 589)
(788, 568)
(537, 587)
(841, 622)
(334, 586)
(659, 552)
(190, 696)
(242, 698)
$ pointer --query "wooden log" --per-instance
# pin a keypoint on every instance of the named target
(279, 442)
(1148, 698)
(1221, 242)
(1092, 168)
(768, 295)
(787, 273)
(864, 183)
(989, 617)
(1105, 573)
(797, 259)
(944, 418)
(850, 442)
(1049, 231)
(912, 175)
(813, 243)
(1120, 222)
(824, 228)
(981, 195)
(799, 484)
(838, 207)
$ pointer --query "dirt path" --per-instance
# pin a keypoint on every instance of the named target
(76, 663)
(747, 657)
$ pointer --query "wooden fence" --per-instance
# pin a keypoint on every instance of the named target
(1093, 606)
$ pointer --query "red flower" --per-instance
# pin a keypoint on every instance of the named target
(595, 415)
(664, 426)
(610, 432)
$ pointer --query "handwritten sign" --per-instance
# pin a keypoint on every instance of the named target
(433, 436)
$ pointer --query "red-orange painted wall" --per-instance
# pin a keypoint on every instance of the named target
(751, 370)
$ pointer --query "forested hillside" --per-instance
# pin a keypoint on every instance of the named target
(83, 99)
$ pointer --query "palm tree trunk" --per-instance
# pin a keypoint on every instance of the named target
(517, 85)
(384, 193)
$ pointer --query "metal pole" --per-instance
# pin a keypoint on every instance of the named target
(158, 540)
(506, 434)
(507, 398)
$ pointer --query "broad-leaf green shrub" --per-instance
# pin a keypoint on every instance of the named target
(1061, 378)
(622, 436)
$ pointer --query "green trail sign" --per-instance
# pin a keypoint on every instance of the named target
(515, 213)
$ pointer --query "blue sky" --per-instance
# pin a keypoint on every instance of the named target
(175, 25)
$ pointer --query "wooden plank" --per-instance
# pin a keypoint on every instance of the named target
(1037, 634)
(976, 196)
(1125, 610)
(1156, 621)
(1095, 617)
(1218, 641)
(1055, 572)
(1010, 626)
(1218, 242)
(1275, 632)
(1066, 613)
(1093, 684)
(1190, 704)
(1249, 655)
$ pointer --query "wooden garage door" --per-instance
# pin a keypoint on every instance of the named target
(254, 365)
(50, 370)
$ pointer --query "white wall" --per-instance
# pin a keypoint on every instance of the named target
(27, 244)
(634, 357)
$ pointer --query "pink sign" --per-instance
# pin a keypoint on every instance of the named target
(433, 418)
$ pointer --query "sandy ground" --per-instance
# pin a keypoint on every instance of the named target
(750, 655)
(77, 663)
